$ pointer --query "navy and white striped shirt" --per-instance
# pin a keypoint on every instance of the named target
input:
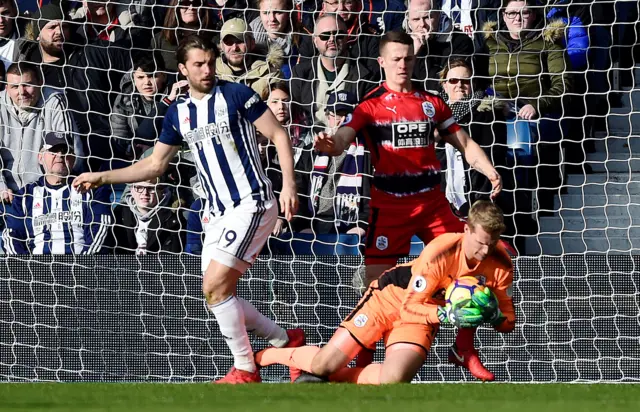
(220, 132)
(46, 220)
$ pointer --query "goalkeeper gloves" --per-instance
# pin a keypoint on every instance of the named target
(462, 314)
(486, 301)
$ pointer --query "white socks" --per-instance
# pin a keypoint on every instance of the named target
(231, 320)
(262, 326)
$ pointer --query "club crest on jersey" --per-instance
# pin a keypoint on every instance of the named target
(428, 109)
(360, 320)
(510, 291)
(382, 242)
(481, 279)
(420, 284)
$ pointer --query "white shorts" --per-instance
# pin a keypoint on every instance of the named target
(236, 238)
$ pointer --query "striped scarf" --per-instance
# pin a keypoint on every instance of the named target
(348, 192)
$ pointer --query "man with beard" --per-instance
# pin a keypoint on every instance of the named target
(240, 63)
(332, 71)
(219, 120)
(86, 73)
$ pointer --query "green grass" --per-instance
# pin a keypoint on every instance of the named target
(88, 397)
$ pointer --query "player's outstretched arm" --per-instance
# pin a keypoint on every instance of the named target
(476, 157)
(146, 169)
(335, 145)
(268, 126)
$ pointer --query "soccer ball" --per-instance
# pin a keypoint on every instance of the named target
(462, 289)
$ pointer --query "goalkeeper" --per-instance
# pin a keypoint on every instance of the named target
(405, 307)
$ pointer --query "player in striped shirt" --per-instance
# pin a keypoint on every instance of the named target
(218, 121)
(49, 217)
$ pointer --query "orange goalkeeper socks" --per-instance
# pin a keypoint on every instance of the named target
(300, 358)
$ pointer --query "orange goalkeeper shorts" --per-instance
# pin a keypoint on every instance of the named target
(377, 316)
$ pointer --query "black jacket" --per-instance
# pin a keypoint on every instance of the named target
(363, 46)
(433, 57)
(166, 232)
(304, 81)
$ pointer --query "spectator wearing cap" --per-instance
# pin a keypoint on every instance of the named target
(239, 62)
(313, 80)
(279, 24)
(138, 110)
(88, 74)
(146, 222)
(27, 111)
(435, 45)
(301, 135)
(183, 18)
(339, 195)
(49, 217)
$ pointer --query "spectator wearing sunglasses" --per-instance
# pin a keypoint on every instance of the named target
(483, 118)
(332, 71)
(145, 222)
(239, 61)
(183, 18)
(434, 45)
(362, 36)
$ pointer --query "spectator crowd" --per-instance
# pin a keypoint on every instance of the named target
(86, 84)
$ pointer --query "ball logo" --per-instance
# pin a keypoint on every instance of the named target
(420, 284)
(360, 320)
(382, 242)
(428, 109)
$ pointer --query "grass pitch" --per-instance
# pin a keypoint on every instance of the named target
(122, 397)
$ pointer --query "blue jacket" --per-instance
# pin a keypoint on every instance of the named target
(576, 38)
(47, 220)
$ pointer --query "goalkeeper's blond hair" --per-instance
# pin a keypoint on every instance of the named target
(488, 216)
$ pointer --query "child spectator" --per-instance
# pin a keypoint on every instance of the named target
(301, 140)
(137, 114)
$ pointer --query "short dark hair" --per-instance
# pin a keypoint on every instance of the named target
(149, 62)
(21, 68)
(194, 42)
(395, 37)
(280, 85)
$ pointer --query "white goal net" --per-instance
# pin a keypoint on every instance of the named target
(129, 306)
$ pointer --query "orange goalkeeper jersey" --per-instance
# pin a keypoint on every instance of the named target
(415, 294)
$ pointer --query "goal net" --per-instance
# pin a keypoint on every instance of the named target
(130, 314)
